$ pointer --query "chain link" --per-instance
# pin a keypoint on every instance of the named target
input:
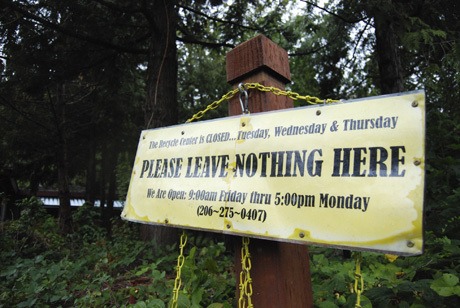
(293, 95)
(213, 105)
(359, 282)
(245, 276)
(180, 263)
(253, 85)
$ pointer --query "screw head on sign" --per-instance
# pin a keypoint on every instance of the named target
(417, 162)
(410, 244)
(228, 226)
(166, 221)
(301, 235)
(414, 104)
(318, 112)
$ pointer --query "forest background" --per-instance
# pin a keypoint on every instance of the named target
(81, 79)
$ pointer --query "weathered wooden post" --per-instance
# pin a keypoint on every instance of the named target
(280, 271)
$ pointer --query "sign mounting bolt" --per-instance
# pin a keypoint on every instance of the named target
(410, 244)
(301, 235)
(414, 104)
(318, 112)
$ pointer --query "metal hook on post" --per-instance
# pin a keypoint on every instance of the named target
(244, 105)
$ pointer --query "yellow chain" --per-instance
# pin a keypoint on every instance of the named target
(213, 105)
(180, 263)
(293, 95)
(245, 276)
(359, 282)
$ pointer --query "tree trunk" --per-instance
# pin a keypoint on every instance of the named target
(161, 107)
(387, 45)
(109, 162)
(91, 172)
(65, 215)
(110, 201)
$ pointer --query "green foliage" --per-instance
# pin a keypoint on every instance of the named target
(446, 285)
(205, 85)
(34, 232)
(207, 275)
(87, 269)
(428, 280)
(35, 281)
(87, 221)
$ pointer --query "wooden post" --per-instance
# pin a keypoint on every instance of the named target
(280, 271)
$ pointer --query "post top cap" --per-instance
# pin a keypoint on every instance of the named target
(255, 55)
